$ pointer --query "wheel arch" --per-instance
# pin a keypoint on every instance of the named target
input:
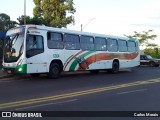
(114, 70)
(58, 62)
(116, 60)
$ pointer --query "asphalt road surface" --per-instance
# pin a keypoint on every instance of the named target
(129, 90)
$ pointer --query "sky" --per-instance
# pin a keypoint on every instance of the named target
(112, 17)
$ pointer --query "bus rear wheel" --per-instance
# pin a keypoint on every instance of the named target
(115, 68)
(54, 71)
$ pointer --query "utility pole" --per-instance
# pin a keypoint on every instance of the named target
(24, 12)
(81, 27)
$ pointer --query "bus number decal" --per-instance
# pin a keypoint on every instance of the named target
(55, 55)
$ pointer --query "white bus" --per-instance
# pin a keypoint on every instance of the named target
(34, 49)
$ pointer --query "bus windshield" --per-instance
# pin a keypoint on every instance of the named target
(13, 44)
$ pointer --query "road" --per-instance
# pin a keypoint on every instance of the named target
(129, 90)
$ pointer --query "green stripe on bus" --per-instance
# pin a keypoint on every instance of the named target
(69, 58)
(21, 69)
(75, 62)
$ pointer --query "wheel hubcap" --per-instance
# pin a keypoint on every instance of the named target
(55, 71)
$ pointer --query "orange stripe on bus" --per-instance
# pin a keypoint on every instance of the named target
(109, 56)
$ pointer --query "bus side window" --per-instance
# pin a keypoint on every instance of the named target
(34, 45)
(34, 42)
(71, 42)
(55, 40)
(100, 44)
(87, 43)
(112, 45)
(137, 47)
(131, 46)
(29, 44)
(122, 45)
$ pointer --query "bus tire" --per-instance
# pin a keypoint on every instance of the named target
(54, 71)
(115, 68)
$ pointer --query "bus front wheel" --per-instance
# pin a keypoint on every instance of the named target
(54, 71)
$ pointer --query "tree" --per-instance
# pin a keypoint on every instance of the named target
(29, 20)
(55, 13)
(152, 45)
(143, 37)
(152, 49)
(6, 23)
(21, 20)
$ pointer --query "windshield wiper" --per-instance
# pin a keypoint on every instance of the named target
(10, 41)
(16, 36)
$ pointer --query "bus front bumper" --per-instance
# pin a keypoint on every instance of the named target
(22, 69)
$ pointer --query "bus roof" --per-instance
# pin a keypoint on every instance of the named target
(42, 27)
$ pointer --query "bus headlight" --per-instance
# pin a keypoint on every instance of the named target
(20, 69)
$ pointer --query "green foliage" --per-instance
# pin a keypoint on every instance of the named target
(5, 22)
(155, 55)
(152, 45)
(55, 13)
(29, 20)
(143, 37)
(154, 52)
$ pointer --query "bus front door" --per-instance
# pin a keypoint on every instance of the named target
(36, 62)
